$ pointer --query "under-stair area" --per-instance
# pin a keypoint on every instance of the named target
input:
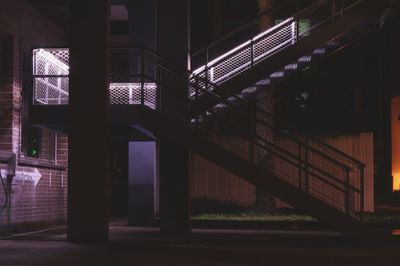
(221, 98)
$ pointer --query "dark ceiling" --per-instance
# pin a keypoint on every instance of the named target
(58, 10)
(231, 13)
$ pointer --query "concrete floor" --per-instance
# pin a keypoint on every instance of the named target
(145, 246)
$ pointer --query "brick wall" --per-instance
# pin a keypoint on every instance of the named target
(43, 201)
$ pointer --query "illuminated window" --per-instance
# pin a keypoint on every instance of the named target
(304, 26)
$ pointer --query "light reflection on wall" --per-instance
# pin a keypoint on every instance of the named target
(396, 143)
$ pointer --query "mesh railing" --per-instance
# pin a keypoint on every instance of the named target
(51, 79)
(315, 167)
(133, 94)
(218, 64)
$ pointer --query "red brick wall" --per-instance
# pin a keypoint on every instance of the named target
(23, 28)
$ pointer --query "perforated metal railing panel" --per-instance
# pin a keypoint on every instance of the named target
(51, 82)
(134, 94)
(231, 63)
(239, 59)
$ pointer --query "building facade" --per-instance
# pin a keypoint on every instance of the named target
(34, 124)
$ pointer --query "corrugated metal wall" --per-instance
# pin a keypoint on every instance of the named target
(211, 181)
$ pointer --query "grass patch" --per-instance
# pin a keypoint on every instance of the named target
(251, 216)
(382, 217)
(204, 209)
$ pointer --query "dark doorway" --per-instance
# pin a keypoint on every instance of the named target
(119, 177)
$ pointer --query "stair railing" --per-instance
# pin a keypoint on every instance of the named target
(306, 156)
(218, 65)
(296, 160)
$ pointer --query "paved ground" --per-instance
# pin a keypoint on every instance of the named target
(145, 246)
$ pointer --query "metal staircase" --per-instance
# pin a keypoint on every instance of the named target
(284, 161)
(309, 34)
(300, 170)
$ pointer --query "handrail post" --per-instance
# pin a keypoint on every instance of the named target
(306, 181)
(142, 76)
(341, 8)
(300, 165)
(253, 137)
(206, 70)
(251, 150)
(297, 21)
(333, 10)
(252, 45)
(347, 191)
(196, 89)
(159, 87)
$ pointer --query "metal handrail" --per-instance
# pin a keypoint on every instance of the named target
(166, 68)
(149, 61)
(276, 129)
(298, 162)
(179, 76)
(287, 126)
(294, 39)
(334, 13)
(242, 104)
(262, 122)
(296, 35)
(250, 22)
(304, 165)
(289, 155)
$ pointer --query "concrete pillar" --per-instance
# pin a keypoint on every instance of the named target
(142, 32)
(173, 44)
(88, 195)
